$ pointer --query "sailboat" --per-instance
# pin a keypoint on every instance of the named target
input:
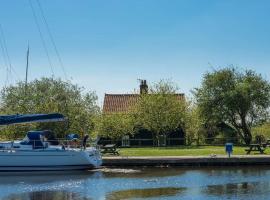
(38, 153)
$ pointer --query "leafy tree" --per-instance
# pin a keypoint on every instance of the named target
(238, 98)
(114, 125)
(49, 95)
(161, 111)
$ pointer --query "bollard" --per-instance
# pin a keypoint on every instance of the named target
(229, 149)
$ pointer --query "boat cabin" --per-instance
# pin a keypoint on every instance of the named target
(32, 140)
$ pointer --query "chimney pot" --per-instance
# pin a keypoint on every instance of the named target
(143, 87)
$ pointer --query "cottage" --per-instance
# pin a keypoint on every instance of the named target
(115, 103)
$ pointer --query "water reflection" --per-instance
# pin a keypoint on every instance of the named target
(238, 188)
(44, 177)
(139, 183)
(144, 193)
(46, 195)
(142, 172)
(230, 171)
(49, 177)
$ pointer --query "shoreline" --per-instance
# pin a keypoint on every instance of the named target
(236, 160)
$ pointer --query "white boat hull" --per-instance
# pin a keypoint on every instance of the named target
(49, 160)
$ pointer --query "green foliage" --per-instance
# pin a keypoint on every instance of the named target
(237, 98)
(262, 129)
(162, 111)
(114, 125)
(49, 95)
(193, 125)
(164, 87)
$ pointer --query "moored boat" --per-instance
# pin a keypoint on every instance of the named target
(36, 152)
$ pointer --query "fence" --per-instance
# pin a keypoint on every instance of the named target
(64, 144)
(130, 142)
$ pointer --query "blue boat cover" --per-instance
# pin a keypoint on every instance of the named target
(29, 118)
(35, 139)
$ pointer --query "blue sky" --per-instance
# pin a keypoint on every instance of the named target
(106, 45)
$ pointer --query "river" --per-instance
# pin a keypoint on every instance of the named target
(139, 183)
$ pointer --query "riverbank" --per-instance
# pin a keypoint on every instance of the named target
(211, 160)
(182, 151)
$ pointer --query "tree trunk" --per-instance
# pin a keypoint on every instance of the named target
(246, 131)
(247, 135)
(155, 137)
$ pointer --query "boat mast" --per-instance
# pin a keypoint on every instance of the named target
(26, 72)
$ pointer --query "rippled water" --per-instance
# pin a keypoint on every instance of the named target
(139, 183)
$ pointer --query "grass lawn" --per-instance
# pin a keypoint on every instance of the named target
(182, 151)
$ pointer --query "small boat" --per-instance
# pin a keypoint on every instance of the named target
(37, 153)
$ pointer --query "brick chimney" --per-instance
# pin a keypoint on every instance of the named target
(143, 87)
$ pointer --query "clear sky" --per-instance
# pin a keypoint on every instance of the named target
(106, 45)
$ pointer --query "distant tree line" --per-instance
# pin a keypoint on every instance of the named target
(237, 100)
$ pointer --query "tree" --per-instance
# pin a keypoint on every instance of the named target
(161, 111)
(49, 95)
(238, 98)
(114, 125)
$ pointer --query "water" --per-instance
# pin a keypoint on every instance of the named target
(139, 183)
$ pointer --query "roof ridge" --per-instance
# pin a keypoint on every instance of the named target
(121, 94)
(139, 94)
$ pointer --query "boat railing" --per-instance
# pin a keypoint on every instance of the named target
(63, 144)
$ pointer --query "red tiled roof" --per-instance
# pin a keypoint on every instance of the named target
(119, 102)
(123, 102)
